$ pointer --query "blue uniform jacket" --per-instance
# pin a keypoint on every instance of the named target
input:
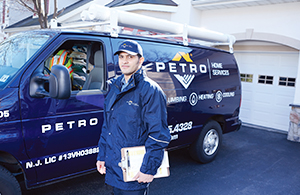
(134, 117)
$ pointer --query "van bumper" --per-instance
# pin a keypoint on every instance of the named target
(233, 124)
(239, 124)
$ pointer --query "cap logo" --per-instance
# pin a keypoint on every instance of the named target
(125, 45)
(130, 47)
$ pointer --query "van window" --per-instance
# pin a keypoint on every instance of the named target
(84, 61)
(17, 50)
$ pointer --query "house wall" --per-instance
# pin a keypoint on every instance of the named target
(277, 19)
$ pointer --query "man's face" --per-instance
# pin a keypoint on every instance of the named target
(129, 64)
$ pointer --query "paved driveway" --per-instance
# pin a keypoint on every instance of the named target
(251, 161)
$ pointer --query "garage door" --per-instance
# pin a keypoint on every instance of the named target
(268, 87)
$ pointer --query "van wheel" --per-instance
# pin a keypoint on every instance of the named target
(206, 147)
(8, 183)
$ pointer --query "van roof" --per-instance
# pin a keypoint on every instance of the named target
(127, 36)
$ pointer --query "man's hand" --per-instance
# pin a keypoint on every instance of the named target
(143, 178)
(101, 167)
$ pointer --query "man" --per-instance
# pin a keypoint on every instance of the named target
(135, 114)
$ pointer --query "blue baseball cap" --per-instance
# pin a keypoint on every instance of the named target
(130, 47)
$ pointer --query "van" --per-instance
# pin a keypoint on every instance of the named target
(50, 124)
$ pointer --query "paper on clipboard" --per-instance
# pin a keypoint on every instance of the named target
(132, 159)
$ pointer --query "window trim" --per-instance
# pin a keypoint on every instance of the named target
(267, 80)
(287, 81)
(247, 78)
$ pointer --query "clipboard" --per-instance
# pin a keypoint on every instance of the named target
(132, 159)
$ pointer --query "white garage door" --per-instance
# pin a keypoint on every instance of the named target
(268, 87)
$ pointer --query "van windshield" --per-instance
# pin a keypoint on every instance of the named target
(17, 50)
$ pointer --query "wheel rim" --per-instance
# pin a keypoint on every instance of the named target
(211, 142)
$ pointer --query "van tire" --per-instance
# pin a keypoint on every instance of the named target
(8, 183)
(206, 147)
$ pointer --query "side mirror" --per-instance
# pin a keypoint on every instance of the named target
(59, 83)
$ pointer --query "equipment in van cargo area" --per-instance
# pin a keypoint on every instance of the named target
(49, 129)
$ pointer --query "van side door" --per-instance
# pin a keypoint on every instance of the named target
(61, 136)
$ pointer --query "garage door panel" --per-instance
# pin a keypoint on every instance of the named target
(286, 91)
(245, 60)
(283, 102)
(248, 89)
(267, 104)
(261, 117)
(246, 110)
(281, 115)
(287, 61)
(269, 62)
(246, 102)
(263, 102)
(281, 123)
(285, 97)
(261, 106)
(265, 98)
(248, 95)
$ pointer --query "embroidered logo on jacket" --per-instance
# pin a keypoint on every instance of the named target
(132, 103)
